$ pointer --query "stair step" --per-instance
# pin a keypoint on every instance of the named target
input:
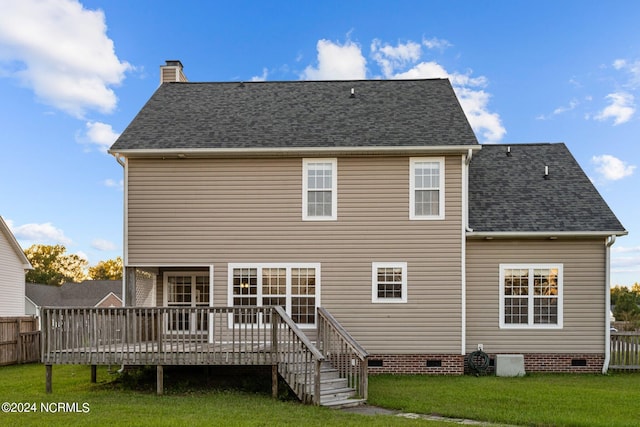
(343, 403)
(336, 393)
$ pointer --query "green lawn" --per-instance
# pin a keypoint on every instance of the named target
(560, 400)
(552, 399)
(114, 405)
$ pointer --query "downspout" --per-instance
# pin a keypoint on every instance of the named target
(465, 183)
(119, 158)
(607, 305)
(463, 273)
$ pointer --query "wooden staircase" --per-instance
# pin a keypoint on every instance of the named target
(335, 391)
(332, 372)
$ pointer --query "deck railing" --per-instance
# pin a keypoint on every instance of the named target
(343, 351)
(160, 336)
(625, 350)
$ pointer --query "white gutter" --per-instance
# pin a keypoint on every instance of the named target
(546, 233)
(607, 305)
(291, 151)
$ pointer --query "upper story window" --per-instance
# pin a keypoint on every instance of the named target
(426, 188)
(319, 189)
(531, 295)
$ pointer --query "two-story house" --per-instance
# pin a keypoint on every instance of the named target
(373, 201)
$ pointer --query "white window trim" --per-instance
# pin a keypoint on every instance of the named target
(374, 282)
(334, 189)
(288, 266)
(531, 324)
(412, 188)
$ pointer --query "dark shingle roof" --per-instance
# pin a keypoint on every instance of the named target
(510, 194)
(299, 114)
(84, 294)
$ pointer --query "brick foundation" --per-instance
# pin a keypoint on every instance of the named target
(455, 364)
(432, 364)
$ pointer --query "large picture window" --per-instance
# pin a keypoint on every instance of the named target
(531, 295)
(294, 287)
(319, 189)
(426, 188)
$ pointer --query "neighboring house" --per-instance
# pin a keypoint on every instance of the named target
(373, 200)
(13, 265)
(89, 293)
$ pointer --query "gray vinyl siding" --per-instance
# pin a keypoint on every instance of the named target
(584, 295)
(11, 280)
(220, 211)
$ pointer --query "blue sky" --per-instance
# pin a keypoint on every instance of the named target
(74, 74)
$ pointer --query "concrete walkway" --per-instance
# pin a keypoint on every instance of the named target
(375, 410)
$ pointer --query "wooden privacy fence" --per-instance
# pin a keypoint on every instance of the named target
(625, 350)
(19, 340)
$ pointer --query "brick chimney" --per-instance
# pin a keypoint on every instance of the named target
(172, 72)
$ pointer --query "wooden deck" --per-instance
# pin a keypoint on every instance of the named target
(165, 336)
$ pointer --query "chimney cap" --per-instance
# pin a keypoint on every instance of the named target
(174, 63)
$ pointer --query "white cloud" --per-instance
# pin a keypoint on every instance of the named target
(103, 245)
(611, 168)
(40, 233)
(390, 58)
(619, 64)
(632, 68)
(563, 109)
(475, 105)
(100, 134)
(112, 183)
(337, 62)
(262, 77)
(61, 51)
(436, 43)
(560, 110)
(620, 110)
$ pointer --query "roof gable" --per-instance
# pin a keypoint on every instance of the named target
(4, 229)
(508, 192)
(300, 114)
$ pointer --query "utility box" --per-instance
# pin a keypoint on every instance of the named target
(509, 365)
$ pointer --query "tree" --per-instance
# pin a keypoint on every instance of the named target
(52, 266)
(107, 270)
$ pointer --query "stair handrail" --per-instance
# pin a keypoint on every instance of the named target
(355, 345)
(308, 347)
(327, 324)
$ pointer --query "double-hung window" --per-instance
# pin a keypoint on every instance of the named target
(389, 282)
(294, 287)
(531, 296)
(426, 188)
(319, 189)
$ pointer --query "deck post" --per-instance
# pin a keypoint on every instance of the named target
(274, 381)
(130, 286)
(159, 380)
(94, 374)
(48, 373)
